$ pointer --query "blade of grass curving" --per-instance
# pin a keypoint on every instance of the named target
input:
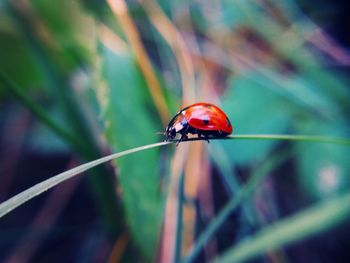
(302, 225)
(245, 191)
(39, 188)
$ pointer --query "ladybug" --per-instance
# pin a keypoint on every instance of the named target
(204, 119)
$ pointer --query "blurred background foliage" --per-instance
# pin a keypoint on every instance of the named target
(81, 79)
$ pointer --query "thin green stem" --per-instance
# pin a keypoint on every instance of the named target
(284, 137)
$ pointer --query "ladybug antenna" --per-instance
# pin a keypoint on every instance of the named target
(160, 133)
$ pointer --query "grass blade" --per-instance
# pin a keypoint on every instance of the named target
(283, 137)
(39, 188)
(297, 227)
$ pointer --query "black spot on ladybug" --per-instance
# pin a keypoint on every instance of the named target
(206, 121)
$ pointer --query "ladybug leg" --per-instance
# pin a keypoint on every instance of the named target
(184, 133)
(200, 135)
(183, 137)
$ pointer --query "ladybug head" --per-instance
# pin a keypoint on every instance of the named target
(170, 133)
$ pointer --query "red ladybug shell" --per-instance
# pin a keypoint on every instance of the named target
(207, 117)
(204, 119)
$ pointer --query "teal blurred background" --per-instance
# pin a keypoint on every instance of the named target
(82, 79)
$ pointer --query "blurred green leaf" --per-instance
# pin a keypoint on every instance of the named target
(70, 31)
(96, 7)
(254, 109)
(231, 15)
(300, 91)
(16, 61)
(84, 141)
(41, 139)
(300, 226)
(323, 168)
(131, 120)
(331, 84)
(266, 102)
